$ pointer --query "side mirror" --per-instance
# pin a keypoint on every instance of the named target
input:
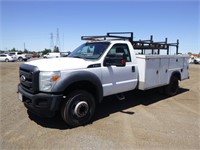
(117, 59)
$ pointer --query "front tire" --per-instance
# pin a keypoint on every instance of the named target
(172, 88)
(6, 60)
(78, 108)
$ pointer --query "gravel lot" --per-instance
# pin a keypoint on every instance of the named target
(145, 120)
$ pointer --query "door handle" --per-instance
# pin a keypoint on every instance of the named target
(133, 68)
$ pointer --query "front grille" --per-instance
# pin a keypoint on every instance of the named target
(29, 78)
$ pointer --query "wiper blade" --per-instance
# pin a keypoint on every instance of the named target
(76, 56)
(89, 58)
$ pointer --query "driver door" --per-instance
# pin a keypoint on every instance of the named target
(119, 79)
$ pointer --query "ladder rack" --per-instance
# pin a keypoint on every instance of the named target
(142, 45)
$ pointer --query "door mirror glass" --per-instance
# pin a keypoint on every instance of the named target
(117, 59)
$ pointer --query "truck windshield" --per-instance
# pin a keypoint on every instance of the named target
(90, 50)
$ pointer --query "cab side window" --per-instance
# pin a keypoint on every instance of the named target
(121, 48)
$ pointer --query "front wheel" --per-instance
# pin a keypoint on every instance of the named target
(172, 88)
(78, 108)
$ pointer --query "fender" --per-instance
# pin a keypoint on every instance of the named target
(77, 76)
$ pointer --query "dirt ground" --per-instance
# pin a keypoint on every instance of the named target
(145, 120)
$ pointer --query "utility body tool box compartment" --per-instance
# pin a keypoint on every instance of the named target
(156, 70)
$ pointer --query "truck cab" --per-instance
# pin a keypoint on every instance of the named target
(113, 62)
(76, 84)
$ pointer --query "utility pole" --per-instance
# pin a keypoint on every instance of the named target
(63, 46)
(51, 42)
(24, 46)
(58, 39)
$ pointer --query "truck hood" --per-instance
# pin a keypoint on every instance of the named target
(56, 64)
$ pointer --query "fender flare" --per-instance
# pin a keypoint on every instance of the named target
(78, 76)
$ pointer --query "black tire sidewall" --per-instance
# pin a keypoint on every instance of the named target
(173, 87)
(67, 106)
(6, 60)
(20, 59)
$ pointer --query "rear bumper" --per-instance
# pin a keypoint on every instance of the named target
(41, 104)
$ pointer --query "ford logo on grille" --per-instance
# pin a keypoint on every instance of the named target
(23, 78)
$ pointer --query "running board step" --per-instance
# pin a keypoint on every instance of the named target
(120, 96)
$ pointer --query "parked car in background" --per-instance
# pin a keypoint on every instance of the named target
(197, 61)
(29, 56)
(7, 57)
(36, 56)
(191, 60)
(194, 60)
(20, 56)
(64, 54)
(51, 55)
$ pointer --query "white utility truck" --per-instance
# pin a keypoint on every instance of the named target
(104, 65)
(52, 55)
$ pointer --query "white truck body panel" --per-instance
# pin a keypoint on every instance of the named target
(156, 70)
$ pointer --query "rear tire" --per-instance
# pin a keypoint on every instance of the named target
(20, 59)
(6, 60)
(78, 108)
(172, 88)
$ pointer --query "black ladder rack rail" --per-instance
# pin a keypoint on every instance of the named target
(138, 45)
(109, 36)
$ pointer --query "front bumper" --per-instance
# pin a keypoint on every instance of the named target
(41, 104)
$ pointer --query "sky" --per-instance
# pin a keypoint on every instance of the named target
(30, 23)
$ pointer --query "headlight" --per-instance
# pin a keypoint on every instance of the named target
(48, 79)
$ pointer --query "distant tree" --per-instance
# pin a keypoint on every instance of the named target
(56, 49)
(189, 53)
(13, 50)
(45, 51)
(25, 51)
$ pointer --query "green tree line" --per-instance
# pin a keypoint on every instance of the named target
(43, 52)
(190, 53)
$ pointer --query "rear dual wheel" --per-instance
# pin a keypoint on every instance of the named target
(172, 88)
(78, 108)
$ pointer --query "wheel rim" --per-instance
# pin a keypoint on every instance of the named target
(78, 109)
(81, 109)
